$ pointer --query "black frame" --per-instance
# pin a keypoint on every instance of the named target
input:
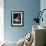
(17, 14)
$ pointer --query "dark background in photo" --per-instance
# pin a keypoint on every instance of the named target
(17, 18)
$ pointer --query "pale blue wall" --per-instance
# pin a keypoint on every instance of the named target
(30, 7)
(43, 6)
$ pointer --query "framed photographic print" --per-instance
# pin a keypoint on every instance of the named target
(17, 18)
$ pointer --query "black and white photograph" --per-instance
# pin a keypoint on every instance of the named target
(17, 18)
